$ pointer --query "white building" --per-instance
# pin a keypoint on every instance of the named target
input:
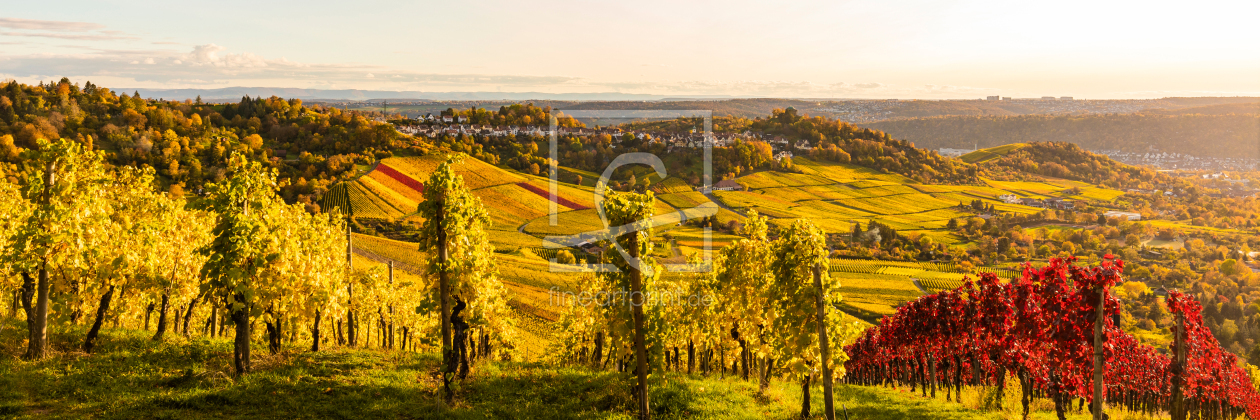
(1130, 216)
(946, 152)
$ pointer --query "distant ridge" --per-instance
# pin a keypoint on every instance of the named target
(235, 93)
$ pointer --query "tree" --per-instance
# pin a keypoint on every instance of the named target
(14, 211)
(743, 279)
(454, 235)
(801, 290)
(314, 264)
(631, 210)
(565, 257)
(243, 249)
(114, 257)
(60, 189)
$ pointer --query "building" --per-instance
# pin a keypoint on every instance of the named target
(1065, 98)
(946, 152)
(993, 98)
(1047, 98)
(1006, 98)
(727, 185)
(1130, 216)
(1059, 203)
(1009, 199)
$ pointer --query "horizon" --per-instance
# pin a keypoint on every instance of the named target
(474, 96)
(908, 50)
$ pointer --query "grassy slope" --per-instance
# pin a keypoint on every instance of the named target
(133, 377)
(985, 155)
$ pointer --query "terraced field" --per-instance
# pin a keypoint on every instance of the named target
(835, 196)
(985, 155)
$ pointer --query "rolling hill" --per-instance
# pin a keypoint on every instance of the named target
(833, 195)
(1212, 133)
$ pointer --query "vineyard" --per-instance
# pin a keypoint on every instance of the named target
(557, 199)
(836, 195)
(1038, 330)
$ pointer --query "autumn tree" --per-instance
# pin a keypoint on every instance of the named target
(14, 211)
(61, 190)
(744, 277)
(242, 251)
(803, 294)
(454, 235)
(636, 275)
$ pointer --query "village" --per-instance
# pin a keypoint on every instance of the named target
(433, 126)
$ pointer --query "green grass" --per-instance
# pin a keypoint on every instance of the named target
(133, 377)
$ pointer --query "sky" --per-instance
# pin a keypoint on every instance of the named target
(803, 49)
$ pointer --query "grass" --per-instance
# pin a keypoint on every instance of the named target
(364, 203)
(672, 185)
(132, 377)
(684, 200)
(992, 153)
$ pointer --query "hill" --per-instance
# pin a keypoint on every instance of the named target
(1199, 134)
(1064, 160)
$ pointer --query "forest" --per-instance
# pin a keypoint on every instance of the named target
(188, 142)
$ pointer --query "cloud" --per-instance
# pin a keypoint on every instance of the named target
(83, 31)
(49, 25)
(211, 64)
(208, 55)
(214, 66)
(84, 37)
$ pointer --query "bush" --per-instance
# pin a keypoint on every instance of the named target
(565, 257)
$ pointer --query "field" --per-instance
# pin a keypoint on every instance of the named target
(833, 196)
(985, 155)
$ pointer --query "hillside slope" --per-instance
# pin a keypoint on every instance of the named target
(1227, 135)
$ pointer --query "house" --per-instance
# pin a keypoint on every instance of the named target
(1009, 198)
(727, 185)
(590, 248)
(1033, 202)
(1059, 203)
(1130, 216)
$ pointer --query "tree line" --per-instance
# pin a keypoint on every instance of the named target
(188, 142)
(764, 310)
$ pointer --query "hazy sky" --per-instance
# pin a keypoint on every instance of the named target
(872, 49)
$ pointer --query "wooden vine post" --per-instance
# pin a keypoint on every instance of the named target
(630, 210)
(1177, 408)
(828, 401)
(640, 345)
(351, 337)
(1098, 353)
